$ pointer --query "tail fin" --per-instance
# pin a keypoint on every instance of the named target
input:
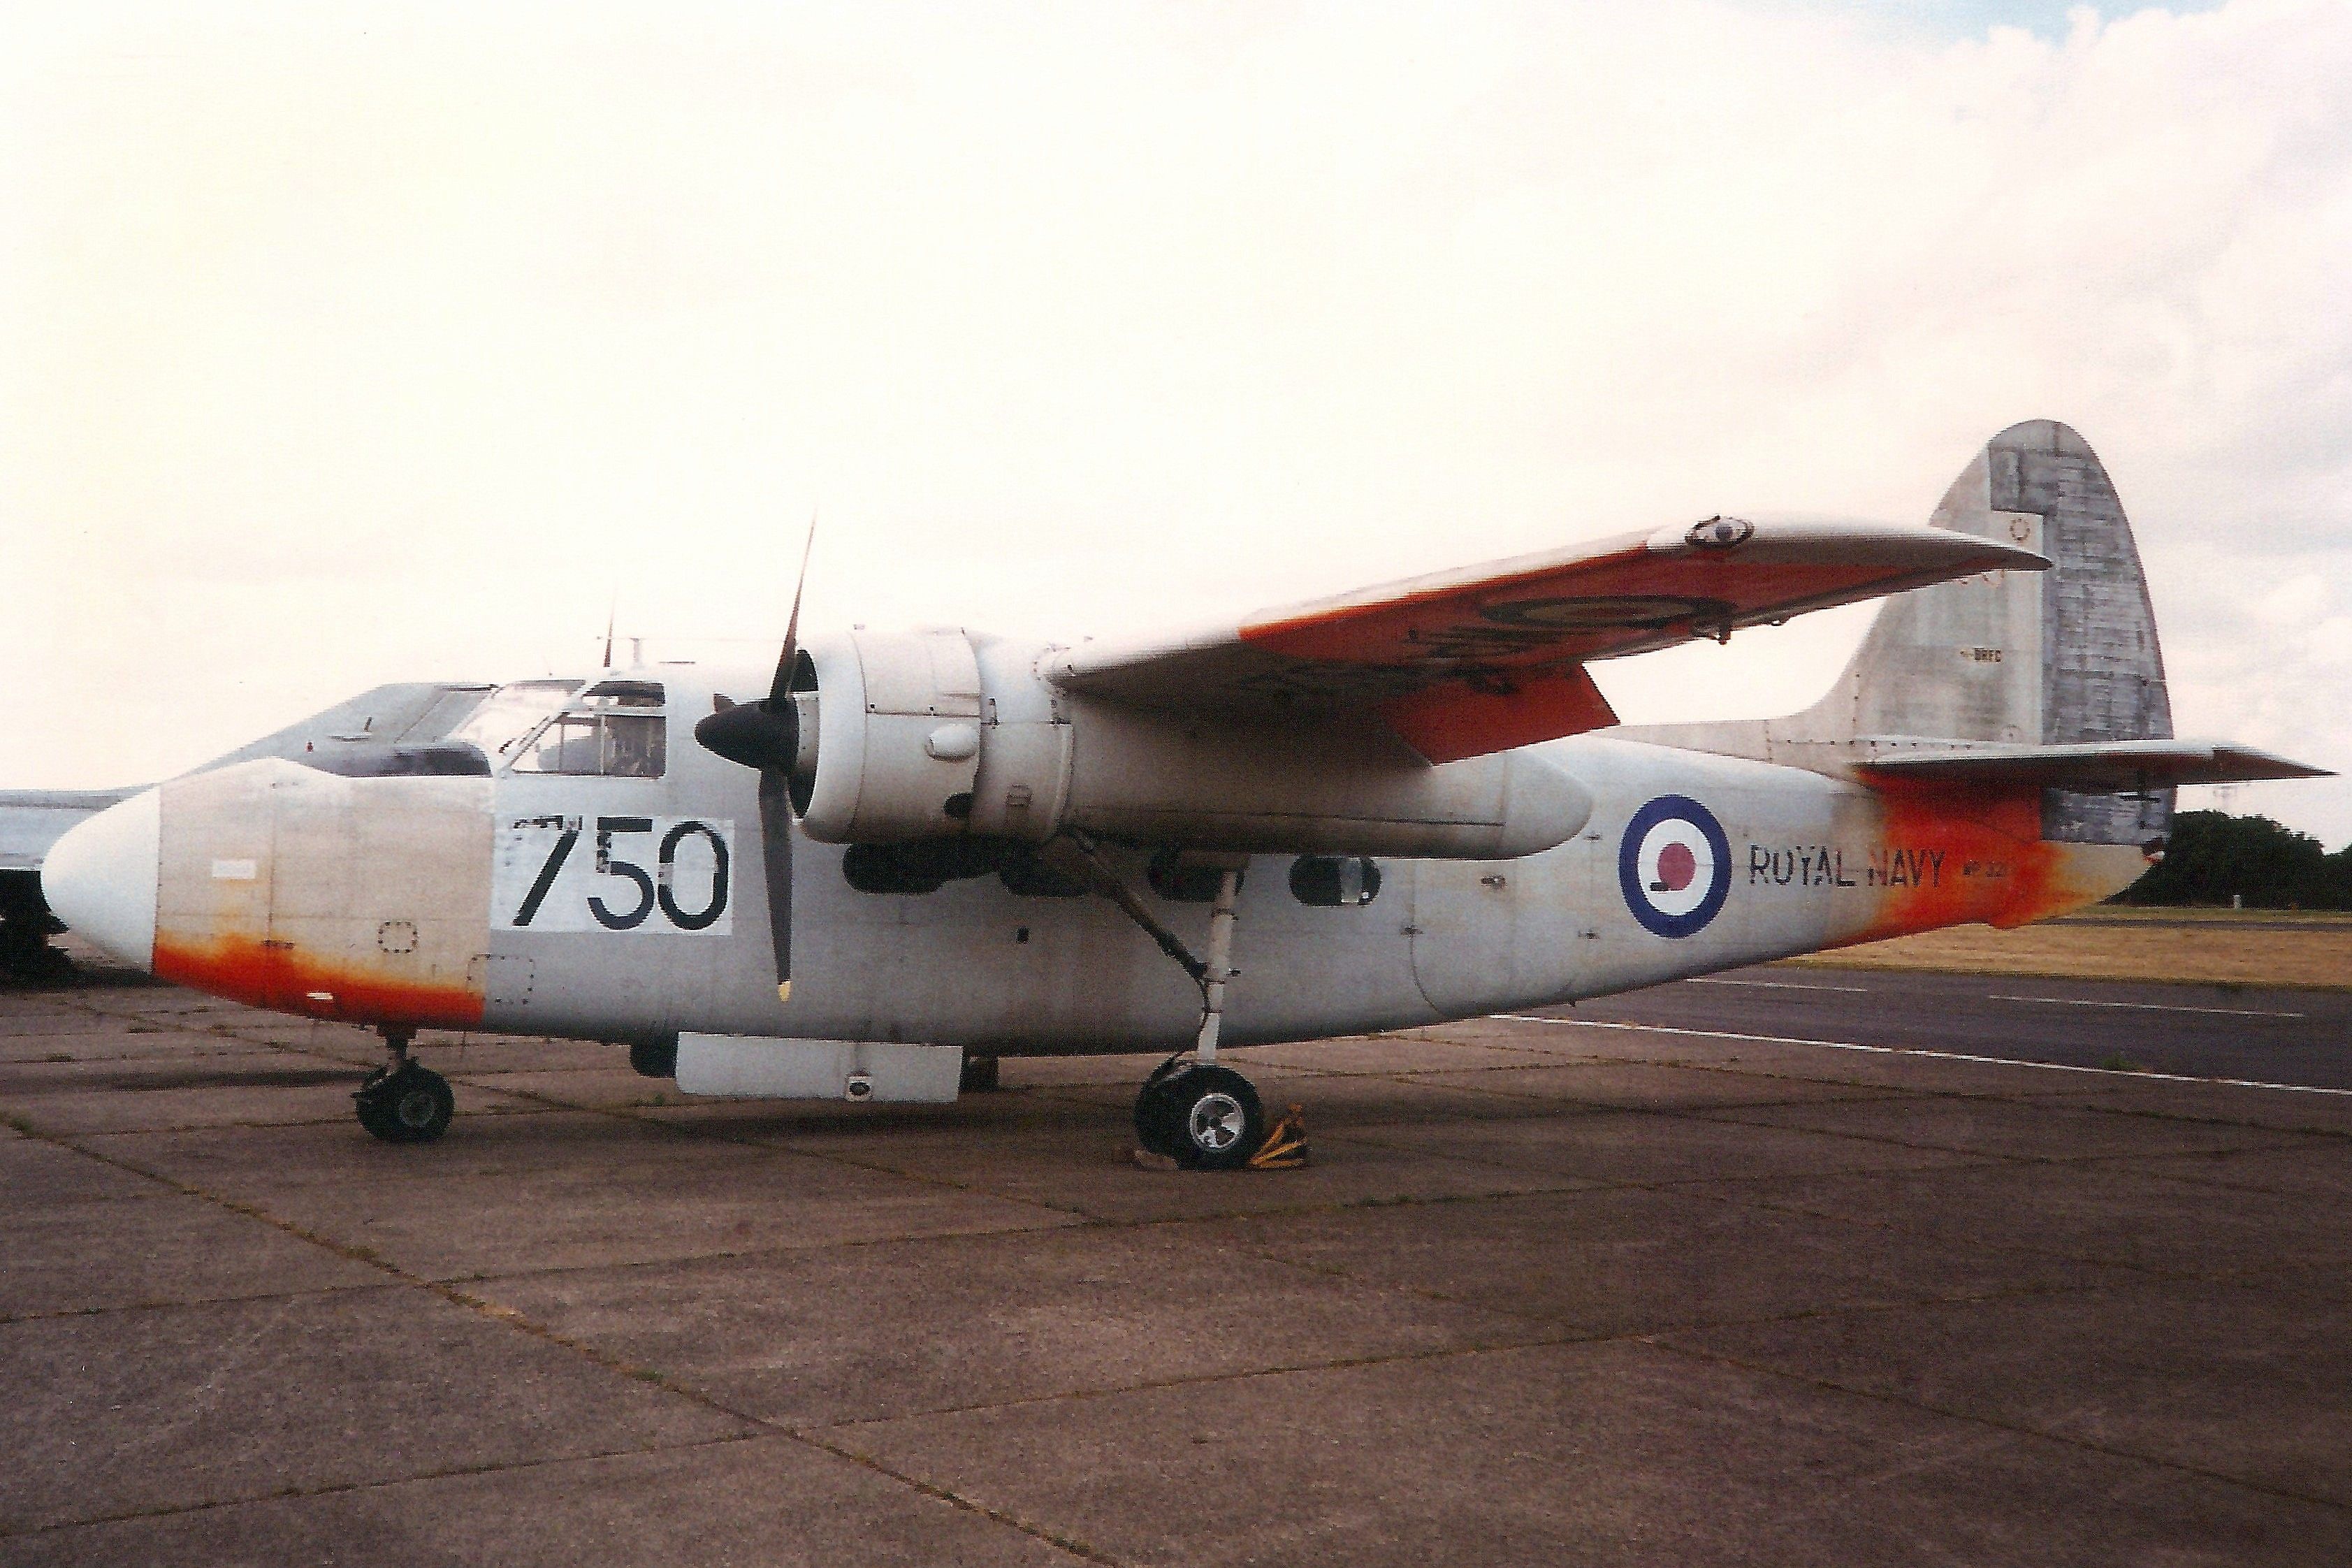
(2061, 657)
(2066, 657)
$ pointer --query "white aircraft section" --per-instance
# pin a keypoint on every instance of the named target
(100, 878)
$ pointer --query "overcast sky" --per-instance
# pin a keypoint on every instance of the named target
(340, 346)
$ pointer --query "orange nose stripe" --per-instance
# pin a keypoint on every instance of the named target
(265, 975)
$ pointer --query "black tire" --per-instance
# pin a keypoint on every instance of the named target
(370, 1101)
(1213, 1119)
(420, 1105)
(1155, 1127)
(980, 1076)
(411, 1106)
(654, 1058)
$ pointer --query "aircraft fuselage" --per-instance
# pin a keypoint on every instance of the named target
(625, 907)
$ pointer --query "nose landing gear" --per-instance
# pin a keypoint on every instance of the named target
(401, 1102)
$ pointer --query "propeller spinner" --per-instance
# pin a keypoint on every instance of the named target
(766, 735)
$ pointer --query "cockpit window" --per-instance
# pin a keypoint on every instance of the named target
(622, 694)
(608, 734)
(511, 713)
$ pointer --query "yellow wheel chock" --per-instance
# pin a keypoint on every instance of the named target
(1285, 1142)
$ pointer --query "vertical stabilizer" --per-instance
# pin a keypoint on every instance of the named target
(2057, 658)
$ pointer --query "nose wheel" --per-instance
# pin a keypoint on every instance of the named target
(1203, 1118)
(401, 1102)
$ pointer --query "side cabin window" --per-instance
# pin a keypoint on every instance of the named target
(615, 730)
(1334, 882)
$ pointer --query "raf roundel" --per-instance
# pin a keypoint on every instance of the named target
(1673, 865)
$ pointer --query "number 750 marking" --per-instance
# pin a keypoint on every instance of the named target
(655, 890)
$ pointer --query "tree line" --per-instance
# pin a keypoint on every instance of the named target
(2213, 856)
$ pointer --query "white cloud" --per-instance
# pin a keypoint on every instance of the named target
(337, 347)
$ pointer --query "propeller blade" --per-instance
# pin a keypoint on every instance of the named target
(779, 691)
(766, 735)
(776, 853)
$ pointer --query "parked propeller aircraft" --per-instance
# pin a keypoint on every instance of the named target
(906, 853)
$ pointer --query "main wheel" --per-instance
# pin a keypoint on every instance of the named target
(1212, 1117)
(411, 1106)
(1155, 1116)
(655, 1059)
(980, 1076)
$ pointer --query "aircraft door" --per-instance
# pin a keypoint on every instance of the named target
(1492, 934)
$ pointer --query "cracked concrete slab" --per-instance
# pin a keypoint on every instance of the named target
(177, 1407)
(2093, 1211)
(1089, 1170)
(856, 1333)
(2216, 1376)
(158, 1247)
(1646, 1147)
(1617, 1452)
(1622, 1260)
(1649, 1086)
(562, 1190)
(38, 1175)
(2028, 1130)
(767, 1500)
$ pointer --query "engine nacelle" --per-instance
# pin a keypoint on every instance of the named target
(894, 747)
(935, 734)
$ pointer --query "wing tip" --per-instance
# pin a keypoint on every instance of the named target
(1822, 541)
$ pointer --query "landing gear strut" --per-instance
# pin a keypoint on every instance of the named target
(401, 1102)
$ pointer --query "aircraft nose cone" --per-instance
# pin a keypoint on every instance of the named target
(100, 878)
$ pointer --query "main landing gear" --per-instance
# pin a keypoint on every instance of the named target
(401, 1102)
(1203, 1116)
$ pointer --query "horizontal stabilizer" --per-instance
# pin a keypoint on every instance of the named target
(2091, 768)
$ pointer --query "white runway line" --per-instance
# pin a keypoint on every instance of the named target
(1781, 986)
(2148, 1006)
(1914, 1051)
